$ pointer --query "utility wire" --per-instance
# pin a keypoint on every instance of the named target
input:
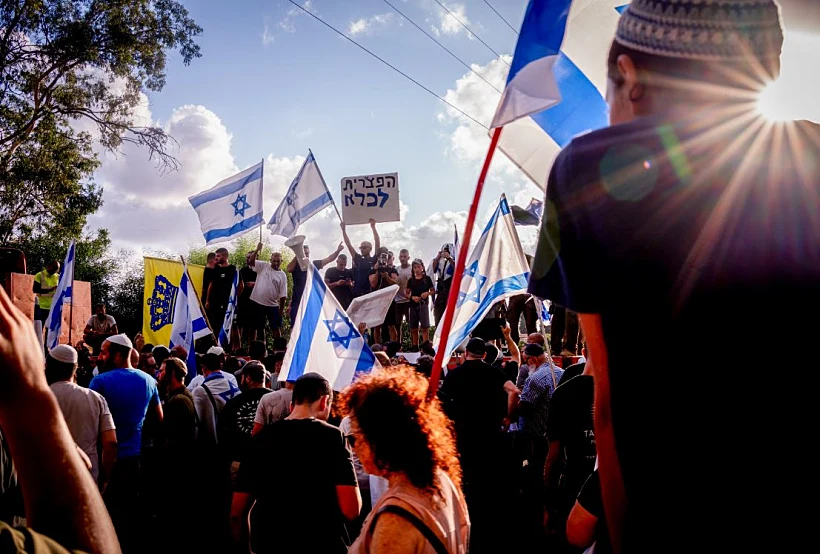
(388, 64)
(431, 37)
(514, 30)
(490, 48)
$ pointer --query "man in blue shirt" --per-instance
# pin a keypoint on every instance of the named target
(129, 393)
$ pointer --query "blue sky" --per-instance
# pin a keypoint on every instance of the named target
(272, 82)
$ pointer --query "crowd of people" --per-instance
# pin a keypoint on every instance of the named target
(674, 228)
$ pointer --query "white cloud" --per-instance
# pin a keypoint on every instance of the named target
(448, 23)
(369, 25)
(287, 23)
(267, 34)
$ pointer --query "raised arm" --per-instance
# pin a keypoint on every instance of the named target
(332, 257)
(61, 498)
(376, 238)
(515, 353)
(252, 259)
(347, 241)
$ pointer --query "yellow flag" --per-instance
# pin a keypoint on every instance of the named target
(162, 278)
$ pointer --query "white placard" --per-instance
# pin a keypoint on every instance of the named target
(370, 196)
(371, 309)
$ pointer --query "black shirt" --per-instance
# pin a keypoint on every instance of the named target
(235, 423)
(473, 396)
(679, 231)
(297, 509)
(207, 277)
(591, 500)
(418, 286)
(571, 372)
(178, 428)
(300, 280)
(381, 283)
(361, 274)
(570, 421)
(246, 275)
(221, 281)
(343, 294)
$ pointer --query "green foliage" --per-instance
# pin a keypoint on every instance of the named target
(126, 297)
(72, 72)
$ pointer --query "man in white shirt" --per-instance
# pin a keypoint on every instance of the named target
(271, 288)
(401, 304)
(86, 412)
(98, 328)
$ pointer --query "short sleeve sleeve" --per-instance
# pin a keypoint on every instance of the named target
(96, 385)
(106, 419)
(590, 496)
(344, 473)
(260, 267)
(252, 467)
(566, 268)
(154, 394)
(261, 410)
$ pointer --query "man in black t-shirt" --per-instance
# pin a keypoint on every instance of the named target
(219, 289)
(314, 488)
(339, 280)
(364, 262)
(479, 399)
(300, 278)
(383, 275)
(235, 421)
(571, 436)
(251, 317)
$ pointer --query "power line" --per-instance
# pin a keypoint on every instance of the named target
(514, 30)
(388, 64)
(490, 48)
(431, 37)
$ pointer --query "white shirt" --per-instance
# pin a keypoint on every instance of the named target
(104, 325)
(197, 381)
(271, 284)
(404, 276)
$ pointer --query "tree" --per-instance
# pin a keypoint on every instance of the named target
(72, 72)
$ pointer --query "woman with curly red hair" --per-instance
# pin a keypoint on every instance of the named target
(399, 434)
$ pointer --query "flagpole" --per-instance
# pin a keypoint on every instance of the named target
(332, 200)
(71, 304)
(198, 299)
(455, 287)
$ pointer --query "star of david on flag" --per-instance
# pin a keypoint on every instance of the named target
(306, 196)
(324, 340)
(189, 323)
(496, 269)
(240, 205)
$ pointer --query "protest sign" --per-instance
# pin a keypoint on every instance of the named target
(371, 309)
(370, 196)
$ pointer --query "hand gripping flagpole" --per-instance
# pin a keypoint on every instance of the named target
(455, 287)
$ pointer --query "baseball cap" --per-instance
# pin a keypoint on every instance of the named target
(64, 353)
(476, 346)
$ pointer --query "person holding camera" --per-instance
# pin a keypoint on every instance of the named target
(442, 268)
(383, 275)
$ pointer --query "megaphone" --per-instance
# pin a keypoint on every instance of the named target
(297, 244)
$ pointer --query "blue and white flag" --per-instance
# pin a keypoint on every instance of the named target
(306, 196)
(531, 215)
(456, 243)
(63, 294)
(556, 85)
(189, 323)
(497, 269)
(232, 207)
(225, 332)
(324, 340)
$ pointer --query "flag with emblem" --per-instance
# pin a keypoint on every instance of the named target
(306, 196)
(225, 331)
(189, 323)
(324, 340)
(496, 269)
(556, 84)
(232, 207)
(162, 278)
(63, 294)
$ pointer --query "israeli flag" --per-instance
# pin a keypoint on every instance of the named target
(324, 340)
(189, 323)
(232, 207)
(556, 85)
(225, 332)
(456, 243)
(306, 196)
(497, 269)
(63, 294)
